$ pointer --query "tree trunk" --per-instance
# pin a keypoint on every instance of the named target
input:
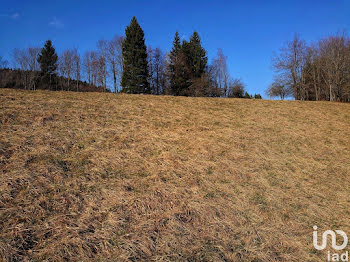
(114, 78)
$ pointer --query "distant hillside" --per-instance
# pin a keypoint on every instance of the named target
(101, 177)
(19, 79)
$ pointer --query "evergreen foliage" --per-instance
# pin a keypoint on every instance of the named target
(135, 71)
(196, 56)
(175, 68)
(188, 63)
(257, 96)
(246, 95)
(48, 62)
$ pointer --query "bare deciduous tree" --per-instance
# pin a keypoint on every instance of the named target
(159, 71)
(102, 46)
(236, 88)
(317, 72)
(156, 70)
(66, 65)
(76, 65)
(3, 63)
(312, 73)
(115, 59)
(25, 60)
(150, 68)
(334, 57)
(34, 67)
(279, 89)
(94, 67)
(220, 72)
(21, 61)
(289, 64)
(87, 66)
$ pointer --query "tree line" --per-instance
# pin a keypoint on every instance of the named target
(125, 64)
(318, 71)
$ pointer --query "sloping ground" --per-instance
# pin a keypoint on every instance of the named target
(88, 176)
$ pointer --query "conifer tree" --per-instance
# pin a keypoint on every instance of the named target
(246, 95)
(188, 61)
(197, 57)
(176, 46)
(135, 71)
(48, 63)
(175, 70)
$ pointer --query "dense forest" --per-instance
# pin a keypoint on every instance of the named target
(319, 71)
(125, 64)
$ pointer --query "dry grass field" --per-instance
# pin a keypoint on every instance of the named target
(104, 177)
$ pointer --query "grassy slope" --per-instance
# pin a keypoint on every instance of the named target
(99, 176)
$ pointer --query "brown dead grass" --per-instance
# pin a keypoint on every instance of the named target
(88, 176)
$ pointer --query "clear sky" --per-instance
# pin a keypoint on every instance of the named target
(247, 31)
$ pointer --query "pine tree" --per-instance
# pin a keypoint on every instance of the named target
(176, 46)
(188, 62)
(175, 66)
(246, 95)
(135, 71)
(48, 63)
(197, 56)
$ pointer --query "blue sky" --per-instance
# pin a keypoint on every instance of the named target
(247, 31)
